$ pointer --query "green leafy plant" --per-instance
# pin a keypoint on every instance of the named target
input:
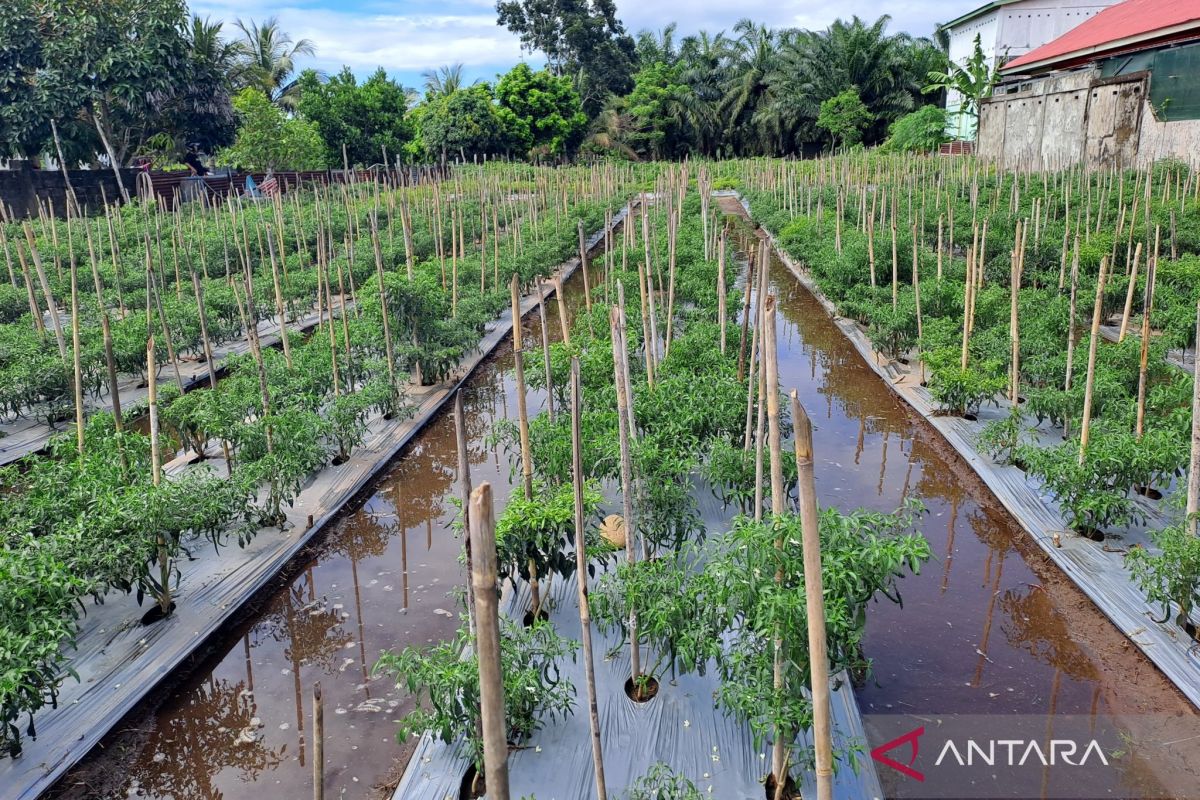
(1170, 577)
(448, 682)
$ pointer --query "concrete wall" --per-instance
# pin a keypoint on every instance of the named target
(1056, 122)
(21, 188)
(1010, 31)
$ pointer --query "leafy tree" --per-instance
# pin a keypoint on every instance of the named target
(547, 105)
(971, 82)
(749, 89)
(22, 100)
(115, 63)
(845, 116)
(919, 132)
(467, 123)
(367, 118)
(269, 60)
(267, 139)
(580, 38)
(656, 109)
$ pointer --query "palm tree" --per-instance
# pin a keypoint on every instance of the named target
(269, 60)
(445, 80)
(753, 59)
(613, 129)
(657, 47)
(704, 62)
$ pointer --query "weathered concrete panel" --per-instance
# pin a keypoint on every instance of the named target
(1114, 114)
(1063, 128)
(1180, 139)
(1023, 133)
(989, 141)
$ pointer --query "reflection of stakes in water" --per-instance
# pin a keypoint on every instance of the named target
(987, 624)
(907, 473)
(858, 445)
(296, 685)
(950, 542)
(1050, 723)
(883, 463)
(362, 645)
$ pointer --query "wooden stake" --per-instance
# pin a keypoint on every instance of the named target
(164, 560)
(523, 425)
(1089, 386)
(487, 641)
(1143, 368)
(770, 360)
(581, 574)
(623, 416)
(1137, 254)
(545, 348)
(76, 356)
(1193, 485)
(818, 658)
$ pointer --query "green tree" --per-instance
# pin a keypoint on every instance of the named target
(971, 82)
(269, 60)
(580, 38)
(268, 139)
(547, 105)
(845, 116)
(657, 111)
(446, 79)
(919, 132)
(467, 123)
(367, 118)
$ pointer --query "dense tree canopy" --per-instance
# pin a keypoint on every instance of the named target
(130, 77)
(268, 139)
(546, 106)
(368, 118)
(583, 39)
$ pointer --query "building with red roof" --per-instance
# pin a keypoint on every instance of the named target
(1120, 89)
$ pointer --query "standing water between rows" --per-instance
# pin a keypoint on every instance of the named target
(990, 626)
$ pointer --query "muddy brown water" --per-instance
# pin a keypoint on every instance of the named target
(989, 626)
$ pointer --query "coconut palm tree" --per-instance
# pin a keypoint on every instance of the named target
(444, 80)
(269, 60)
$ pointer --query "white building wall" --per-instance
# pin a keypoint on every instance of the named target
(1009, 31)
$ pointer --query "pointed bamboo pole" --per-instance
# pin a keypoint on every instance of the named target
(545, 331)
(164, 559)
(1089, 386)
(818, 658)
(318, 757)
(487, 641)
(721, 290)
(1133, 274)
(523, 428)
(581, 573)
(779, 752)
(1144, 363)
(49, 297)
(620, 359)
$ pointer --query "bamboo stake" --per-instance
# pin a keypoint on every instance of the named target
(464, 493)
(76, 356)
(813, 594)
(279, 309)
(1089, 386)
(721, 292)
(1137, 254)
(41, 274)
(1143, 368)
(583, 264)
(164, 561)
(1193, 485)
(523, 425)
(581, 573)
(771, 371)
(623, 415)
(545, 348)
(482, 532)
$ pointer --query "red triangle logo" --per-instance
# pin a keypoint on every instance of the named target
(910, 739)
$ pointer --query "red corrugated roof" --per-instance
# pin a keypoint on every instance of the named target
(1115, 25)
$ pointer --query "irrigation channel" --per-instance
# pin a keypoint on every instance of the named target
(990, 626)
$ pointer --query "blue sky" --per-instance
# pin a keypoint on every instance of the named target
(410, 36)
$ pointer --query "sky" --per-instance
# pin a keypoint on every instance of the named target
(407, 37)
